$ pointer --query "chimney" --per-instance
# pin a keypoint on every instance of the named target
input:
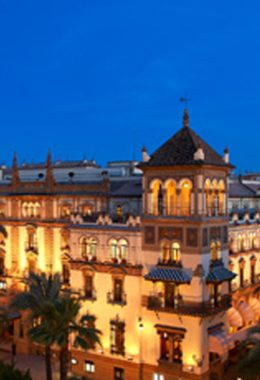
(15, 172)
(199, 154)
(145, 155)
(226, 156)
(49, 178)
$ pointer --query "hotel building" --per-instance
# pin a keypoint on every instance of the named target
(165, 253)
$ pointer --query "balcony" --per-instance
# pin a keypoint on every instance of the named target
(89, 294)
(157, 303)
(85, 295)
(116, 299)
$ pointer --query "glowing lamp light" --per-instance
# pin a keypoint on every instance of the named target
(2, 285)
(74, 361)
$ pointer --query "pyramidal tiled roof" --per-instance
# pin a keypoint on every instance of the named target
(180, 149)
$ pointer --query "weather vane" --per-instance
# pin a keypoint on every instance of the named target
(185, 100)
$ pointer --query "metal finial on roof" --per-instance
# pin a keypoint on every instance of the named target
(185, 100)
(185, 119)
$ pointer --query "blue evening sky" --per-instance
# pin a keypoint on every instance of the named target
(101, 78)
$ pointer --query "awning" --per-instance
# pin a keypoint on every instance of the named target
(220, 342)
(255, 305)
(176, 275)
(234, 318)
(219, 274)
(246, 312)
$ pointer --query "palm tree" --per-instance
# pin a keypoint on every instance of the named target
(249, 366)
(9, 372)
(42, 292)
(63, 327)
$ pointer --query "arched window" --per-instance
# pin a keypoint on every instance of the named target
(113, 249)
(157, 198)
(25, 210)
(215, 250)
(185, 198)
(123, 249)
(252, 241)
(92, 248)
(221, 198)
(165, 249)
(83, 247)
(31, 210)
(215, 198)
(118, 249)
(239, 243)
(243, 243)
(65, 211)
(175, 252)
(208, 194)
(171, 198)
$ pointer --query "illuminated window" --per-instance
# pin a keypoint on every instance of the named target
(118, 249)
(171, 198)
(221, 198)
(117, 337)
(215, 294)
(83, 247)
(65, 211)
(92, 248)
(89, 287)
(88, 248)
(89, 366)
(158, 376)
(119, 212)
(119, 373)
(185, 198)
(165, 248)
(175, 252)
(171, 347)
(118, 290)
(215, 251)
(157, 198)
(113, 249)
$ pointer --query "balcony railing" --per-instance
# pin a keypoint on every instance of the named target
(116, 299)
(158, 303)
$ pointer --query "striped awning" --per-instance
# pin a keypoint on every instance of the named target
(246, 312)
(219, 274)
(255, 305)
(176, 275)
(220, 342)
(234, 318)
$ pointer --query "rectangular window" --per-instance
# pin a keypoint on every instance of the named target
(157, 376)
(117, 337)
(88, 286)
(118, 290)
(171, 347)
(119, 374)
(89, 366)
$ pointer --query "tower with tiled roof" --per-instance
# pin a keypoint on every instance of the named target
(185, 248)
